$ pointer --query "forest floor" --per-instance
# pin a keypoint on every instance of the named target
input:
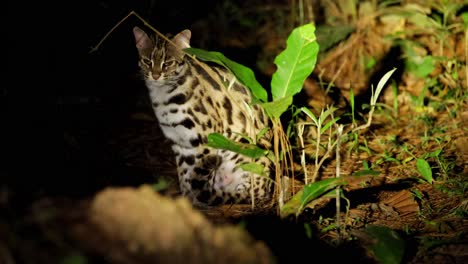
(128, 224)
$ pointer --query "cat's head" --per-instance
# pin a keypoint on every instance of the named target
(159, 59)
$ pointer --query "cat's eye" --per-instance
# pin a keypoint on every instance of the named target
(147, 62)
(168, 64)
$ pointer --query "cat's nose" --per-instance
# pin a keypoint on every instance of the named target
(156, 75)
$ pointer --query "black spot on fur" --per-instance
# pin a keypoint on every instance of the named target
(206, 76)
(194, 142)
(228, 107)
(227, 104)
(182, 80)
(195, 118)
(194, 84)
(239, 88)
(212, 161)
(242, 118)
(188, 123)
(209, 100)
(244, 140)
(190, 160)
(201, 171)
(204, 197)
(197, 184)
(200, 108)
(177, 99)
(173, 111)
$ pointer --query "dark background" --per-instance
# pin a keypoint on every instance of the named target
(56, 89)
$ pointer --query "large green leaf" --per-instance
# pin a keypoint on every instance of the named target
(276, 108)
(314, 190)
(245, 75)
(309, 194)
(295, 63)
(216, 140)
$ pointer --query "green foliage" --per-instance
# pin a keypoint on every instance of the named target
(316, 189)
(464, 17)
(310, 192)
(244, 74)
(380, 86)
(216, 140)
(420, 66)
(385, 244)
(295, 63)
(254, 168)
(161, 185)
(276, 108)
(318, 122)
(424, 169)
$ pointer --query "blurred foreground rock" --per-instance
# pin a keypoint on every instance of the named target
(128, 225)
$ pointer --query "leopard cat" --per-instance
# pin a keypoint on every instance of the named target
(192, 99)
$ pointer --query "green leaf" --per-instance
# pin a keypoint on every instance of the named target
(423, 21)
(420, 66)
(216, 140)
(262, 133)
(310, 114)
(435, 153)
(425, 170)
(384, 243)
(326, 113)
(161, 184)
(295, 63)
(314, 190)
(418, 194)
(276, 108)
(327, 125)
(254, 168)
(381, 85)
(245, 75)
(464, 17)
(291, 206)
(365, 164)
(370, 62)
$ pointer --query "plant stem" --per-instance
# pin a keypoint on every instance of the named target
(339, 134)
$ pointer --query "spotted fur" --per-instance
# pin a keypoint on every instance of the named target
(192, 99)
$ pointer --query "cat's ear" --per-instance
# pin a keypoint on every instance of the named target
(182, 40)
(141, 38)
